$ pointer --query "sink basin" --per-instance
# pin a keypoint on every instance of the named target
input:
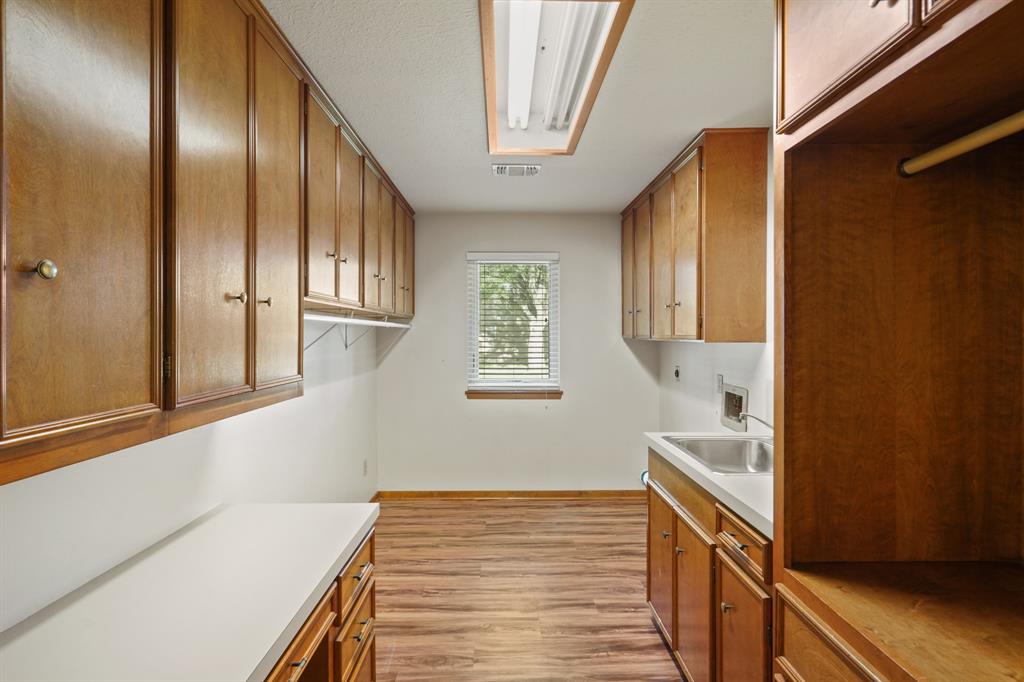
(730, 455)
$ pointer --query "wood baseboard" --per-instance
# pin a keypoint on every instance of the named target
(505, 494)
(375, 498)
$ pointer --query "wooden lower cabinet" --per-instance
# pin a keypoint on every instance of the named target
(694, 606)
(744, 622)
(337, 641)
(660, 559)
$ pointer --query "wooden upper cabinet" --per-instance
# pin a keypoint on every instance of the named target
(825, 46)
(208, 274)
(662, 299)
(371, 237)
(387, 249)
(628, 276)
(686, 242)
(642, 290)
(694, 603)
(322, 200)
(744, 618)
(278, 187)
(350, 229)
(401, 215)
(410, 265)
(81, 188)
(660, 557)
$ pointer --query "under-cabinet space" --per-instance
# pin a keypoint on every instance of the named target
(699, 243)
(82, 237)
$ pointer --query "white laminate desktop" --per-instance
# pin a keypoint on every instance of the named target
(218, 601)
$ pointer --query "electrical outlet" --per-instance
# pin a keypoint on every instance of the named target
(366, 467)
(719, 380)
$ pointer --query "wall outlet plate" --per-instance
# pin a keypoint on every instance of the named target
(734, 403)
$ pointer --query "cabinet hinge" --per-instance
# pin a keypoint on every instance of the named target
(166, 371)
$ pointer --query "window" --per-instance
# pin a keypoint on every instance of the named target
(513, 324)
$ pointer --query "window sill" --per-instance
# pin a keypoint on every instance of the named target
(514, 394)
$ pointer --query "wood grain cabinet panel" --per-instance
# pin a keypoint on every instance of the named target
(322, 201)
(401, 272)
(371, 237)
(278, 106)
(208, 278)
(387, 249)
(826, 45)
(350, 229)
(81, 188)
(744, 619)
(662, 300)
(410, 265)
(642, 292)
(694, 604)
(628, 276)
(686, 212)
(661, 559)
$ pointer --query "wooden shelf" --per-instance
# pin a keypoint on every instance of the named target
(931, 620)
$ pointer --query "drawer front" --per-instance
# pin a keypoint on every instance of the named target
(364, 669)
(824, 46)
(807, 649)
(748, 547)
(356, 633)
(355, 576)
(298, 654)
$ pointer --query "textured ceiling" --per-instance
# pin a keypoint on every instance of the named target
(407, 75)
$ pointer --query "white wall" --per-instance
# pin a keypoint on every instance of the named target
(60, 529)
(431, 437)
(691, 403)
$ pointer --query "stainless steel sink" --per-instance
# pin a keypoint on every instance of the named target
(730, 455)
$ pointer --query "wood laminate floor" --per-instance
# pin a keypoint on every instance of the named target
(527, 589)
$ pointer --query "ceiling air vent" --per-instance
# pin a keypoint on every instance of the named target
(515, 170)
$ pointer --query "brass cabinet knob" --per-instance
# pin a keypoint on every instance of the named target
(727, 607)
(242, 297)
(332, 254)
(666, 533)
(383, 279)
(680, 550)
(376, 276)
(46, 269)
(342, 260)
(269, 300)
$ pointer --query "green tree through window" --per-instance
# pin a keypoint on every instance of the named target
(514, 339)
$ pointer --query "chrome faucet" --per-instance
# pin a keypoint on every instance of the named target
(745, 415)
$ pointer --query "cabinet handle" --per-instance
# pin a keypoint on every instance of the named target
(46, 269)
(638, 311)
(875, 2)
(332, 254)
(680, 550)
(668, 305)
(727, 607)
(666, 533)
(629, 312)
(376, 276)
(367, 624)
(242, 297)
(739, 544)
(678, 304)
(362, 573)
(342, 260)
(269, 300)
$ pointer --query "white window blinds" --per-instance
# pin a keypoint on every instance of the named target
(513, 320)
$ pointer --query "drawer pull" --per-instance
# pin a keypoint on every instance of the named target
(666, 533)
(297, 667)
(727, 607)
(680, 550)
(367, 626)
(362, 573)
(739, 544)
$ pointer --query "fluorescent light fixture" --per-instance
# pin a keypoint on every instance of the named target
(544, 61)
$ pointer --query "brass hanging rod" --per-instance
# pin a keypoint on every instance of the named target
(968, 143)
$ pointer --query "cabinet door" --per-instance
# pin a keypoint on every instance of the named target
(686, 238)
(410, 265)
(208, 277)
(387, 249)
(322, 194)
(744, 613)
(628, 254)
(660, 558)
(350, 230)
(642, 292)
(81, 189)
(371, 237)
(278, 217)
(695, 606)
(826, 45)
(400, 272)
(661, 259)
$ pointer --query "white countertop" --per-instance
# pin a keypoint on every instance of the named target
(749, 495)
(218, 601)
